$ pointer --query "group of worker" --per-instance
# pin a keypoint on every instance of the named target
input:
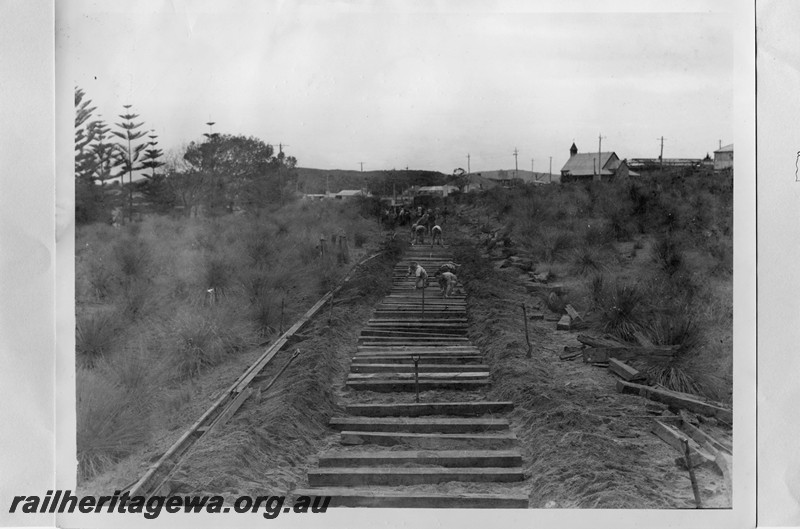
(445, 275)
(424, 224)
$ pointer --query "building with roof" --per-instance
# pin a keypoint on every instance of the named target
(584, 166)
(438, 191)
(723, 158)
(350, 193)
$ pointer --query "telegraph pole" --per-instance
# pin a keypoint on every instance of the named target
(532, 166)
(551, 170)
(468, 171)
(362, 166)
(599, 156)
(661, 156)
(516, 168)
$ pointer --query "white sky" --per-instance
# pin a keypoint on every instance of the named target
(411, 83)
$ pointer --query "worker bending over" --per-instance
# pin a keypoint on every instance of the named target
(414, 269)
(447, 283)
(419, 233)
(436, 235)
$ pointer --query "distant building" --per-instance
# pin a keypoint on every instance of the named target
(584, 166)
(723, 158)
(350, 193)
(438, 191)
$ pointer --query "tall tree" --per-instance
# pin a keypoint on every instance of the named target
(155, 187)
(128, 152)
(92, 159)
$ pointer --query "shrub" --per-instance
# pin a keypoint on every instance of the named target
(139, 299)
(667, 254)
(134, 258)
(674, 378)
(621, 312)
(217, 275)
(555, 246)
(674, 327)
(586, 260)
(100, 278)
(96, 335)
(110, 425)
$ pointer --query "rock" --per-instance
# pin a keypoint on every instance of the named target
(551, 505)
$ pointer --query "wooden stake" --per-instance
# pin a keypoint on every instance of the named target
(527, 338)
(330, 311)
(687, 456)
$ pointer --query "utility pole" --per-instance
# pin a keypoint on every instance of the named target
(468, 171)
(599, 156)
(551, 170)
(532, 167)
(661, 156)
(516, 168)
(362, 166)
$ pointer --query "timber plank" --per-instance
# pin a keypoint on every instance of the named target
(432, 441)
(625, 371)
(417, 424)
(430, 408)
(358, 367)
(677, 400)
(448, 375)
(344, 476)
(442, 458)
(390, 385)
(354, 497)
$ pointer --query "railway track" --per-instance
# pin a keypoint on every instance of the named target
(418, 430)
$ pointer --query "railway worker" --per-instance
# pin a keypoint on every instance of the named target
(419, 233)
(431, 219)
(415, 269)
(447, 282)
(436, 235)
(449, 267)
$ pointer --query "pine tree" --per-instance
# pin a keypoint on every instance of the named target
(128, 153)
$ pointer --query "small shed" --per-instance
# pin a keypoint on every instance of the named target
(723, 158)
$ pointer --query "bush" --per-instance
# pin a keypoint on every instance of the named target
(668, 255)
(134, 258)
(96, 335)
(621, 312)
(586, 261)
(555, 246)
(110, 425)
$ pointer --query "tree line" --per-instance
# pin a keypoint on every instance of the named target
(121, 171)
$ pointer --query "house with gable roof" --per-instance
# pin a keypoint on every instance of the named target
(584, 166)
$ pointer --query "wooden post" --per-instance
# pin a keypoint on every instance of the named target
(423, 299)
(687, 456)
(416, 359)
(527, 338)
(330, 311)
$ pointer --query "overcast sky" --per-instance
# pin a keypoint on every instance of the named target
(393, 84)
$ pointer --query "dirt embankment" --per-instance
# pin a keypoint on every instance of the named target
(584, 444)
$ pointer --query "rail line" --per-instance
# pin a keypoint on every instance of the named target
(418, 386)
(153, 481)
